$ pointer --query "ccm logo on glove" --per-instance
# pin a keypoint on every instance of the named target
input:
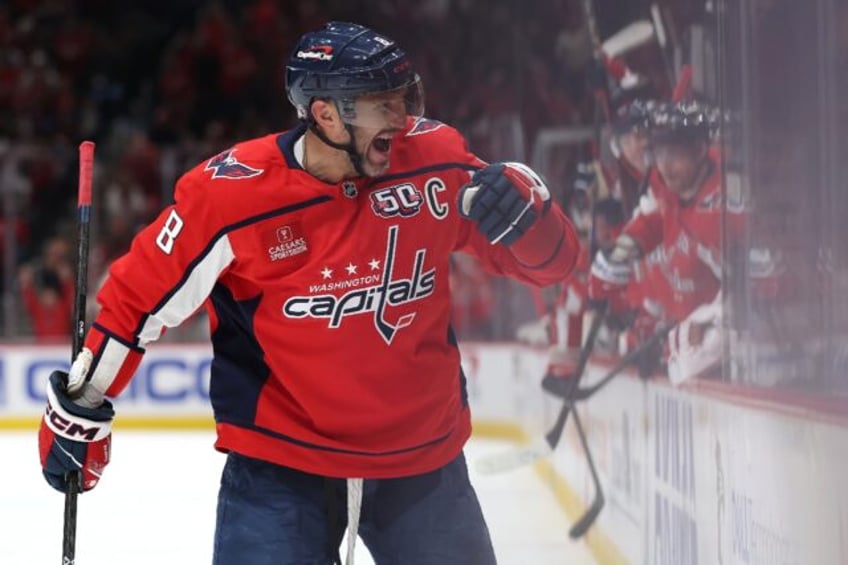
(505, 199)
(69, 429)
(73, 438)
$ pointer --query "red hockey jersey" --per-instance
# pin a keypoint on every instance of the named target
(329, 303)
(688, 236)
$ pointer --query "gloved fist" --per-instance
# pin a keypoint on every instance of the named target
(505, 199)
(73, 438)
(608, 279)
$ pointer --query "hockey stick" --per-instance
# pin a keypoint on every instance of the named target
(507, 461)
(86, 164)
(582, 525)
(683, 88)
(559, 386)
(663, 41)
(591, 25)
(628, 38)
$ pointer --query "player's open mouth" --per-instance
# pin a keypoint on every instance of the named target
(383, 142)
(381, 145)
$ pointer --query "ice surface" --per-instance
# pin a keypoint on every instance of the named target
(156, 504)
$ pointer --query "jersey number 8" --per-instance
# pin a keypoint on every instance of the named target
(172, 228)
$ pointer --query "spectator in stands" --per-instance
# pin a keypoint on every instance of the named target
(47, 289)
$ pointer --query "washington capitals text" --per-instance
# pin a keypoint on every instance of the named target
(389, 292)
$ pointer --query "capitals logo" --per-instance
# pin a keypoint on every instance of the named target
(376, 299)
(225, 166)
(423, 125)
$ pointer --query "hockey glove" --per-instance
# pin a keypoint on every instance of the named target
(608, 280)
(505, 199)
(73, 438)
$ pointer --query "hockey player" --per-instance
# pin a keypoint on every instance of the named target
(322, 255)
(629, 145)
(680, 217)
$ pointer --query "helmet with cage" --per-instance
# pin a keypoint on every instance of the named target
(635, 115)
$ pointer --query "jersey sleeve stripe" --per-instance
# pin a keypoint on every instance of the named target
(147, 328)
(114, 361)
(111, 335)
(187, 297)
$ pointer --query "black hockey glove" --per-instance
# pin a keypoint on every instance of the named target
(505, 199)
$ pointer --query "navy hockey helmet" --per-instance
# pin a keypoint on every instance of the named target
(634, 115)
(343, 62)
(680, 124)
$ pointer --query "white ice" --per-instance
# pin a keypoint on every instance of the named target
(156, 504)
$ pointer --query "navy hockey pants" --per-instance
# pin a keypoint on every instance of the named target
(272, 515)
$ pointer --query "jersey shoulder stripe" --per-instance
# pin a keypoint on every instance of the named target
(211, 246)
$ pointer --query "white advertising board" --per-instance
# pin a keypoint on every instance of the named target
(172, 381)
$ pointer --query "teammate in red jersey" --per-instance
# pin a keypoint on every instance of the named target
(322, 255)
(680, 217)
(629, 144)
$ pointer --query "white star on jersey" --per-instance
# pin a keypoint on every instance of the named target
(374, 264)
(327, 273)
(351, 269)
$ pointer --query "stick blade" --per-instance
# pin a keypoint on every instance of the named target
(502, 462)
(579, 529)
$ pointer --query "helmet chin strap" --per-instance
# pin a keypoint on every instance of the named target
(349, 148)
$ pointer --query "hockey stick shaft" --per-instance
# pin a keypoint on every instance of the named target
(86, 166)
(683, 89)
(663, 41)
(591, 24)
(584, 393)
(555, 433)
(582, 525)
(86, 156)
(501, 462)
(558, 386)
(628, 38)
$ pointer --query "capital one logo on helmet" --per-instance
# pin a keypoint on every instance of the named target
(378, 298)
(317, 52)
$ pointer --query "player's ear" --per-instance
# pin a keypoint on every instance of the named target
(327, 117)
